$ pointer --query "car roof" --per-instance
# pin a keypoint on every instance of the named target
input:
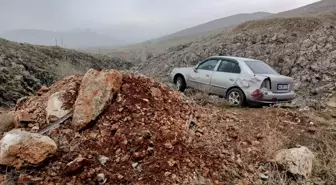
(234, 58)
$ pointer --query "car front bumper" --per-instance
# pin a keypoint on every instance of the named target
(171, 77)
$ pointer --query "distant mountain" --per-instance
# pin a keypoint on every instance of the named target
(320, 7)
(218, 24)
(70, 39)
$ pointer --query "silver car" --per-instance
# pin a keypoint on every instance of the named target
(239, 80)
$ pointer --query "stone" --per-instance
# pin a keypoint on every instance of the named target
(168, 145)
(76, 165)
(297, 161)
(332, 102)
(7, 121)
(263, 177)
(101, 178)
(55, 107)
(102, 159)
(18, 147)
(22, 116)
(44, 89)
(139, 155)
(25, 179)
(119, 176)
(155, 92)
(96, 91)
(3, 179)
(167, 174)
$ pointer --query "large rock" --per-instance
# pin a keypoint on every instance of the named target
(298, 161)
(18, 147)
(332, 101)
(7, 121)
(55, 107)
(96, 91)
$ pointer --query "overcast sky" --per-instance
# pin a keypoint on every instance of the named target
(142, 18)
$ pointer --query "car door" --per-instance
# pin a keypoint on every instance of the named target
(200, 78)
(225, 76)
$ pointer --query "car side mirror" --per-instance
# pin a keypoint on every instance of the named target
(195, 69)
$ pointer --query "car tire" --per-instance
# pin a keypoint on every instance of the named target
(180, 83)
(236, 97)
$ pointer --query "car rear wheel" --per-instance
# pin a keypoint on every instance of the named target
(180, 83)
(236, 97)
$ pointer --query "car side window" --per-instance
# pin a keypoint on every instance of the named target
(208, 65)
(228, 67)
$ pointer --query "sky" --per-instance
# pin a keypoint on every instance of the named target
(133, 19)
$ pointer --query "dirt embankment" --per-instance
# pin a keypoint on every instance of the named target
(24, 68)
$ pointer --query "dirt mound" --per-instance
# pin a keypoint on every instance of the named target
(149, 134)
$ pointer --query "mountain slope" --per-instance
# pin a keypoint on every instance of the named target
(217, 24)
(71, 39)
(320, 7)
(303, 48)
(24, 68)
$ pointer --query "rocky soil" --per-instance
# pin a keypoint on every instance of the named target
(303, 48)
(25, 68)
(138, 131)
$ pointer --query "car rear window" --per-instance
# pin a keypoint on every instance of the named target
(259, 67)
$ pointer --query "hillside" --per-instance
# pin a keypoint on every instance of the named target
(70, 39)
(155, 46)
(303, 48)
(139, 51)
(320, 7)
(217, 24)
(24, 68)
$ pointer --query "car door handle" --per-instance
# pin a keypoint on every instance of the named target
(207, 75)
(231, 79)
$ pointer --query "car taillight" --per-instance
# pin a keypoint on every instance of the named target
(266, 84)
(257, 94)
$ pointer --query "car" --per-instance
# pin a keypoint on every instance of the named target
(240, 80)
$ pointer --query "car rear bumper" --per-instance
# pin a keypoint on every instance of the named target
(270, 97)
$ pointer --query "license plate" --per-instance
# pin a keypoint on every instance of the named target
(283, 87)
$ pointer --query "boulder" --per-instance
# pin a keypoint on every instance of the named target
(7, 121)
(96, 91)
(332, 102)
(22, 116)
(18, 147)
(298, 161)
(55, 107)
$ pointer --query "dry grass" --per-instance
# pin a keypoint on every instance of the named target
(323, 145)
(65, 68)
(202, 97)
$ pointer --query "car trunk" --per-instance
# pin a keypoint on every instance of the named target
(280, 83)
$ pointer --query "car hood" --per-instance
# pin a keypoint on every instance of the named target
(182, 70)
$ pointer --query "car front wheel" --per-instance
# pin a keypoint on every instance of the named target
(236, 97)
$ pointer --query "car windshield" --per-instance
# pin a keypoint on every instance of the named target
(259, 67)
